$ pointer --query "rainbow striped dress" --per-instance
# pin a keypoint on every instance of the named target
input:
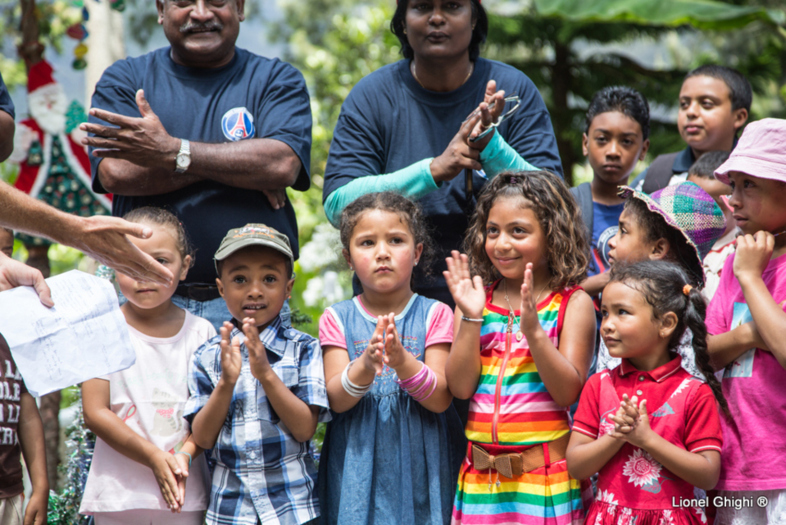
(511, 411)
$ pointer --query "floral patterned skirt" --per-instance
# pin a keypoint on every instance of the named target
(603, 513)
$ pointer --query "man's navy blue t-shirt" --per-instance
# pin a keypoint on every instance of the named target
(251, 97)
(389, 122)
(6, 104)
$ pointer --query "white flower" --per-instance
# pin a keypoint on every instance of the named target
(322, 250)
(324, 288)
(606, 427)
(641, 468)
(607, 497)
(700, 512)
(666, 518)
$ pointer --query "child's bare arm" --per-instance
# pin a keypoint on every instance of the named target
(587, 455)
(753, 255)
(105, 424)
(31, 438)
(462, 369)
(299, 418)
(726, 347)
(564, 369)
(595, 284)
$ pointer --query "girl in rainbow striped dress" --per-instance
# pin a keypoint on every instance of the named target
(521, 369)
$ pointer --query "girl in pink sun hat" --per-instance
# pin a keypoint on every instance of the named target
(747, 326)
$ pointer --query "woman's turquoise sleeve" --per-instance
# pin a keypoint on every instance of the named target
(413, 182)
(499, 156)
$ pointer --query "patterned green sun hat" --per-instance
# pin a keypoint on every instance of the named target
(689, 209)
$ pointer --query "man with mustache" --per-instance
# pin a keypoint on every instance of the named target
(206, 129)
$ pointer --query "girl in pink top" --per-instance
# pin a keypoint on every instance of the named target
(649, 454)
(144, 451)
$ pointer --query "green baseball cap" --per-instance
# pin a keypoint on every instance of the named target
(253, 235)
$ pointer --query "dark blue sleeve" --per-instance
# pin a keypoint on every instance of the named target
(6, 104)
(115, 92)
(531, 133)
(357, 149)
(285, 115)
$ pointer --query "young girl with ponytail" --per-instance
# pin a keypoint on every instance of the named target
(648, 427)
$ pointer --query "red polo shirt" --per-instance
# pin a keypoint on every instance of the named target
(681, 409)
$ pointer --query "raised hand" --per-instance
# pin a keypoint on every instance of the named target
(166, 469)
(458, 156)
(488, 115)
(231, 360)
(394, 351)
(753, 254)
(528, 309)
(467, 291)
(257, 354)
(140, 140)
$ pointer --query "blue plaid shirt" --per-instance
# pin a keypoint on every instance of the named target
(262, 473)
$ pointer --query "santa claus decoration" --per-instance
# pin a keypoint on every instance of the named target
(54, 165)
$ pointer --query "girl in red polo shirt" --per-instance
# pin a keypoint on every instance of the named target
(649, 453)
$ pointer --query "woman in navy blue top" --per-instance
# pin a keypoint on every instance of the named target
(400, 128)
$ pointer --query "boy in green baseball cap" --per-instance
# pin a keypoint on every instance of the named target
(258, 391)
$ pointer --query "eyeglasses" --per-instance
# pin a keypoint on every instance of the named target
(512, 104)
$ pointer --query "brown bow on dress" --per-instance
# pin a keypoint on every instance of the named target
(509, 465)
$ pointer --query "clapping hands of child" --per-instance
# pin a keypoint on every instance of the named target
(373, 357)
(467, 291)
(257, 353)
(231, 360)
(632, 423)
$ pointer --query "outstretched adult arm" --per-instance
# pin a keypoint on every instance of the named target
(102, 238)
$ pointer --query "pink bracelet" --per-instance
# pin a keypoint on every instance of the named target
(414, 380)
(417, 386)
(419, 390)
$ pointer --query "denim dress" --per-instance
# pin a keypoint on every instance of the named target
(389, 460)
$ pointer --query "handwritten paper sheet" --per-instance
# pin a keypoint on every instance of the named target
(82, 337)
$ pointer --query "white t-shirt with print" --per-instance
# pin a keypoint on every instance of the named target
(149, 397)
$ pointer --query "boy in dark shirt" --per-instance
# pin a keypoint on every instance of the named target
(615, 139)
(713, 106)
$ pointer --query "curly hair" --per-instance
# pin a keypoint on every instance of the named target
(411, 214)
(655, 227)
(559, 217)
(161, 217)
(662, 284)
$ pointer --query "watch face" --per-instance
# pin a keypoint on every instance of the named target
(182, 160)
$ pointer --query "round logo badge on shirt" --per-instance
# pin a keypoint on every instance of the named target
(237, 124)
(603, 242)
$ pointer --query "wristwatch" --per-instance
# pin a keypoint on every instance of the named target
(183, 158)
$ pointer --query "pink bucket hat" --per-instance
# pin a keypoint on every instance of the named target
(761, 152)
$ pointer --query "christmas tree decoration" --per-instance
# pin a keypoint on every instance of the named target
(80, 442)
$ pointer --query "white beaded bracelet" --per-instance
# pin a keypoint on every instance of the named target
(351, 388)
